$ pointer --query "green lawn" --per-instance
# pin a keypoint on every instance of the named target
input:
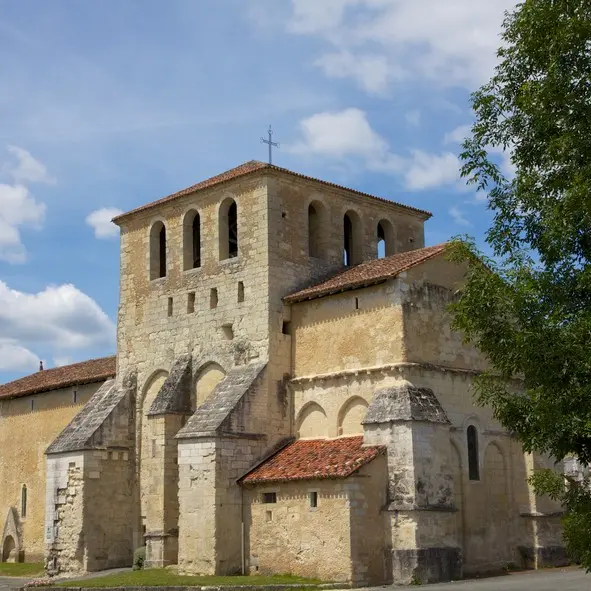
(156, 577)
(20, 569)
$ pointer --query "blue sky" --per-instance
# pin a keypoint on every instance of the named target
(108, 105)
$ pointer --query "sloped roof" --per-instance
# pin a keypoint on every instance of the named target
(367, 273)
(85, 372)
(313, 459)
(248, 168)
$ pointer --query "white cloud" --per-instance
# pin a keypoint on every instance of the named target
(348, 134)
(61, 317)
(458, 135)
(413, 117)
(372, 72)
(458, 216)
(450, 43)
(18, 207)
(15, 357)
(431, 170)
(100, 221)
(28, 169)
(62, 360)
(340, 134)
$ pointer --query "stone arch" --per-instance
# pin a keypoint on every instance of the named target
(191, 240)
(11, 543)
(352, 238)
(208, 377)
(317, 229)
(228, 229)
(312, 421)
(350, 416)
(9, 551)
(158, 247)
(386, 239)
(151, 388)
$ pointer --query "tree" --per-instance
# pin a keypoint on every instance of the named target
(528, 308)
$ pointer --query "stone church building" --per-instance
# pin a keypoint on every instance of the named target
(284, 399)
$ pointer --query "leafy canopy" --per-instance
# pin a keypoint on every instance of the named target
(529, 308)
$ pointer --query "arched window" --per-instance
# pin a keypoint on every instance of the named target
(158, 251)
(192, 241)
(24, 501)
(315, 225)
(472, 439)
(228, 229)
(385, 239)
(352, 239)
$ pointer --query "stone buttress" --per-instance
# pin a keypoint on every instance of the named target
(90, 485)
(420, 510)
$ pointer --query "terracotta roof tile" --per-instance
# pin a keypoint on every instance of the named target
(85, 372)
(312, 459)
(249, 168)
(367, 273)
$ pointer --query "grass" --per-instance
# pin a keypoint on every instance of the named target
(160, 577)
(21, 569)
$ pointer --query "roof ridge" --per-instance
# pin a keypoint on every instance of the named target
(250, 167)
(368, 272)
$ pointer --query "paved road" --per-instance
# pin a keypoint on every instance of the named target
(7, 583)
(569, 579)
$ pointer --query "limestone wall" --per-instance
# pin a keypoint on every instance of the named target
(27, 426)
(342, 539)
(327, 325)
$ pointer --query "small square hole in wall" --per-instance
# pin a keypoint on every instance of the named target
(228, 331)
(286, 327)
(269, 516)
(169, 307)
(313, 499)
(240, 291)
(269, 497)
(191, 302)
(213, 298)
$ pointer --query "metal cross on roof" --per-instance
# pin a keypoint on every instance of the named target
(271, 144)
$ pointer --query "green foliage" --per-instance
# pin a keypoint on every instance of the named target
(21, 569)
(162, 577)
(139, 558)
(529, 308)
(416, 580)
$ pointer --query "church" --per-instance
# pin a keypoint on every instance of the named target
(288, 396)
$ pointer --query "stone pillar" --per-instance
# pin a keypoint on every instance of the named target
(416, 431)
(161, 481)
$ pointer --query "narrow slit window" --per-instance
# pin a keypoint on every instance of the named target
(356, 303)
(170, 307)
(313, 499)
(32, 404)
(240, 291)
(24, 501)
(162, 251)
(196, 234)
(228, 229)
(269, 497)
(213, 298)
(472, 440)
(75, 396)
(191, 302)
(157, 251)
